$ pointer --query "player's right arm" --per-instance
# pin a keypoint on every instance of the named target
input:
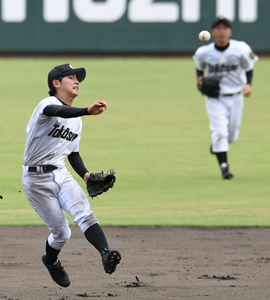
(199, 59)
(97, 108)
(199, 77)
(66, 111)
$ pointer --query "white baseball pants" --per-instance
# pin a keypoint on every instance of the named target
(51, 193)
(225, 116)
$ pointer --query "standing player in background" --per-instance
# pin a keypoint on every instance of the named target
(232, 61)
(53, 133)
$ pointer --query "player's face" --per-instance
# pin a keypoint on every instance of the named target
(222, 33)
(70, 85)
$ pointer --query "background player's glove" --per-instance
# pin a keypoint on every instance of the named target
(99, 183)
(210, 86)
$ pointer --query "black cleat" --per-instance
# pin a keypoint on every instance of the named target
(57, 272)
(226, 174)
(110, 260)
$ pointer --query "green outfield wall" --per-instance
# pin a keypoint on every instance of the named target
(125, 26)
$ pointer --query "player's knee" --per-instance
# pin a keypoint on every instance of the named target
(87, 221)
(219, 134)
(67, 235)
(219, 138)
(233, 138)
(62, 238)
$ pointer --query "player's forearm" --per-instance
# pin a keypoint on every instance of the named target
(249, 75)
(77, 164)
(199, 73)
(64, 111)
(199, 77)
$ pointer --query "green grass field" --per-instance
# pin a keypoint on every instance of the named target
(155, 134)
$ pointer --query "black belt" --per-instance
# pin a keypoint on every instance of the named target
(46, 169)
(229, 95)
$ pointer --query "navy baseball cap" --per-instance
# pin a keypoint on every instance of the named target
(221, 19)
(65, 70)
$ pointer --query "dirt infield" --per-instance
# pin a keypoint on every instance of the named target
(157, 263)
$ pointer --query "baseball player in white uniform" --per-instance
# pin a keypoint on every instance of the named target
(232, 61)
(54, 133)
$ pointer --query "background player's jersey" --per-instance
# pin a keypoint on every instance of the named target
(50, 139)
(231, 64)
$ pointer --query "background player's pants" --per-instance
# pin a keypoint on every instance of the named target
(225, 116)
(50, 193)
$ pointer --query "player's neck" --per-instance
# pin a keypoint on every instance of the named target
(223, 47)
(222, 42)
(65, 99)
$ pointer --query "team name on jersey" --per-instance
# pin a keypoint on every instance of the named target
(63, 133)
(221, 68)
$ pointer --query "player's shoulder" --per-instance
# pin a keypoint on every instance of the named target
(239, 44)
(244, 49)
(205, 49)
(50, 100)
(47, 101)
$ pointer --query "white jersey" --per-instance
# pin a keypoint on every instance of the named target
(231, 64)
(50, 139)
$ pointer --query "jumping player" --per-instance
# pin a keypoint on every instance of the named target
(233, 62)
(53, 133)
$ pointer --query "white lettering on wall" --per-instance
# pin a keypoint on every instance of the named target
(147, 11)
(248, 11)
(55, 11)
(138, 11)
(191, 10)
(226, 8)
(13, 11)
(108, 11)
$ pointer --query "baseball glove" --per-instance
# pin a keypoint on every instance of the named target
(99, 183)
(210, 86)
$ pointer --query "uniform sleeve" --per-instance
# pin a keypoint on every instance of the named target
(199, 73)
(77, 164)
(248, 58)
(64, 111)
(46, 102)
(198, 59)
(249, 76)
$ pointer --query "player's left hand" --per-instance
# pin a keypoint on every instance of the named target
(99, 183)
(200, 81)
(97, 108)
(86, 176)
(247, 90)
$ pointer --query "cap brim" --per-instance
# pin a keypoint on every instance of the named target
(221, 21)
(80, 73)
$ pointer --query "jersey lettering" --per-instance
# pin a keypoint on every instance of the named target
(63, 133)
(221, 68)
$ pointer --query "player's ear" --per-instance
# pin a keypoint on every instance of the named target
(56, 83)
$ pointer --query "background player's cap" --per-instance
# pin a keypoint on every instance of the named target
(64, 70)
(221, 19)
